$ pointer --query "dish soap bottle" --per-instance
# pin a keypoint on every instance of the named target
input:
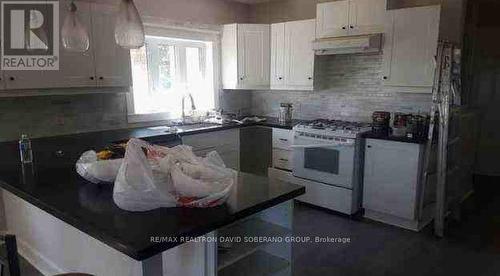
(25, 149)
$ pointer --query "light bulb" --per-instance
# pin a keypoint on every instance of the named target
(129, 31)
(74, 36)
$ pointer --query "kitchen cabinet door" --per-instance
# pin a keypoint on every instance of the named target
(226, 143)
(112, 63)
(2, 81)
(26, 79)
(278, 56)
(253, 55)
(411, 41)
(255, 150)
(391, 177)
(229, 56)
(366, 16)
(75, 69)
(332, 19)
(299, 55)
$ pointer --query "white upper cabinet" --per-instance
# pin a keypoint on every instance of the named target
(332, 19)
(278, 56)
(112, 63)
(350, 17)
(411, 41)
(75, 69)
(366, 16)
(246, 56)
(253, 55)
(2, 81)
(105, 64)
(24, 79)
(292, 56)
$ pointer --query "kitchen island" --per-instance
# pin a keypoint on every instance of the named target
(65, 224)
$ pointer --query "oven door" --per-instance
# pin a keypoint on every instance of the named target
(324, 161)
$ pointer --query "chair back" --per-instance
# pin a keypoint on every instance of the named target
(9, 260)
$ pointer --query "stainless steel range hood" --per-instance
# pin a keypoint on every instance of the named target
(348, 45)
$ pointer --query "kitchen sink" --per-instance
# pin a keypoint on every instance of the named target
(182, 127)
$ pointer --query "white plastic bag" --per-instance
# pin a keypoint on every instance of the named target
(199, 182)
(140, 184)
(168, 177)
(97, 171)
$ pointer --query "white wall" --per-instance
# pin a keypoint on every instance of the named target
(193, 11)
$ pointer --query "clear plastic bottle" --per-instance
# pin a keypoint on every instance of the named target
(25, 149)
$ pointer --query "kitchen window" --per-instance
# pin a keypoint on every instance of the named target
(167, 69)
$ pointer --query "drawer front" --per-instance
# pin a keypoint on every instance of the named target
(203, 152)
(217, 139)
(282, 138)
(282, 159)
(231, 158)
(326, 196)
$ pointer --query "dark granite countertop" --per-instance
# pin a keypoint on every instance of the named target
(158, 134)
(371, 135)
(53, 185)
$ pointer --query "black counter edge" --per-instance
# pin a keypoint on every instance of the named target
(158, 248)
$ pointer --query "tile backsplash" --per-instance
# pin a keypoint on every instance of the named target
(347, 87)
(40, 116)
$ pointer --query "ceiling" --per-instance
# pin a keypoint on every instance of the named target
(251, 1)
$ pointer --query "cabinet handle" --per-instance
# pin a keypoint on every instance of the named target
(280, 78)
(101, 78)
(284, 140)
(12, 78)
(283, 159)
(352, 27)
(92, 78)
(343, 28)
(241, 78)
(369, 146)
(385, 77)
(309, 78)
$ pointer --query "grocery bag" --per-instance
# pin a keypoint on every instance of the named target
(152, 176)
(97, 171)
(140, 184)
(198, 181)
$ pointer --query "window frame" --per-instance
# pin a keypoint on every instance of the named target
(182, 37)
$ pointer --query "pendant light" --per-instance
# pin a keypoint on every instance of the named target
(74, 36)
(129, 31)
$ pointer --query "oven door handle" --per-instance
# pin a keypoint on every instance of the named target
(322, 145)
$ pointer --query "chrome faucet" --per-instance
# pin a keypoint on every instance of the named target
(193, 106)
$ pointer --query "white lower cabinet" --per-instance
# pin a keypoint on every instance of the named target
(226, 143)
(391, 187)
(282, 159)
(282, 149)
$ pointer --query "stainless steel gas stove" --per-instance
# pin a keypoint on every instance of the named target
(329, 154)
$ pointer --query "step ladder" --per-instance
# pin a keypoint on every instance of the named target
(445, 95)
